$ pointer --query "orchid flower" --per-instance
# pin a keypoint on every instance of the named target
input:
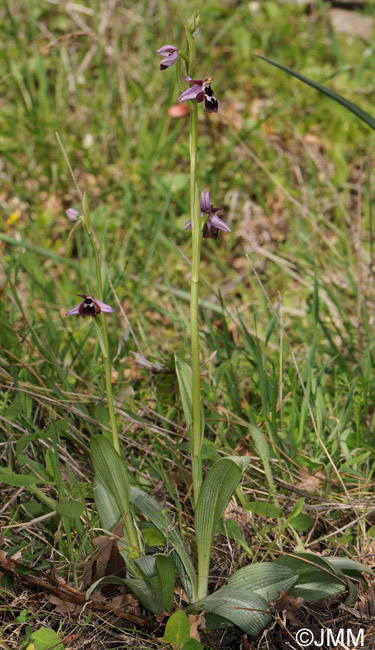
(89, 306)
(170, 54)
(213, 223)
(73, 214)
(201, 91)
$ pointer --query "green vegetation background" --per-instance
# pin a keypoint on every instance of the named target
(294, 174)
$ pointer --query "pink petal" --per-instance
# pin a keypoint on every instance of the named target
(167, 48)
(190, 93)
(219, 223)
(105, 308)
(72, 214)
(205, 201)
(198, 82)
(75, 310)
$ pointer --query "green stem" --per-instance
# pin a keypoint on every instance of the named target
(196, 443)
(103, 335)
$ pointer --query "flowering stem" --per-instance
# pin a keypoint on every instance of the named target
(196, 442)
(102, 332)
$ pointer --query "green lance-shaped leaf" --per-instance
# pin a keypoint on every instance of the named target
(353, 108)
(44, 639)
(266, 579)
(317, 577)
(218, 487)
(159, 571)
(113, 475)
(111, 471)
(350, 568)
(20, 480)
(192, 644)
(177, 630)
(246, 609)
(166, 576)
(160, 518)
(106, 505)
(140, 588)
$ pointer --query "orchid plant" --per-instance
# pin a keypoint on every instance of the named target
(244, 599)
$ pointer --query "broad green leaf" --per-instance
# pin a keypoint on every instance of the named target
(70, 509)
(297, 509)
(300, 523)
(246, 609)
(160, 518)
(264, 509)
(318, 587)
(177, 630)
(352, 593)
(147, 565)
(266, 579)
(139, 588)
(111, 472)
(192, 644)
(217, 488)
(353, 108)
(145, 594)
(346, 565)
(151, 535)
(160, 573)
(19, 480)
(106, 506)
(46, 639)
(185, 383)
(214, 622)
(317, 578)
(166, 571)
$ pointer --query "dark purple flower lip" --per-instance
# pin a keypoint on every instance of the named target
(201, 91)
(213, 223)
(89, 306)
(170, 54)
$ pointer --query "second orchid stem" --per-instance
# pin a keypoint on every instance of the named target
(197, 433)
(101, 327)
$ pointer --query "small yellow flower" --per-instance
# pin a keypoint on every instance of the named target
(13, 217)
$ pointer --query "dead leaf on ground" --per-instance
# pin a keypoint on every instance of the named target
(237, 513)
(108, 562)
(366, 602)
(310, 482)
(45, 584)
(63, 606)
(286, 603)
(196, 620)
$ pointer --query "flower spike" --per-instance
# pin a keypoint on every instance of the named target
(89, 306)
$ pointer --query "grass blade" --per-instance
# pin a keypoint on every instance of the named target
(353, 108)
